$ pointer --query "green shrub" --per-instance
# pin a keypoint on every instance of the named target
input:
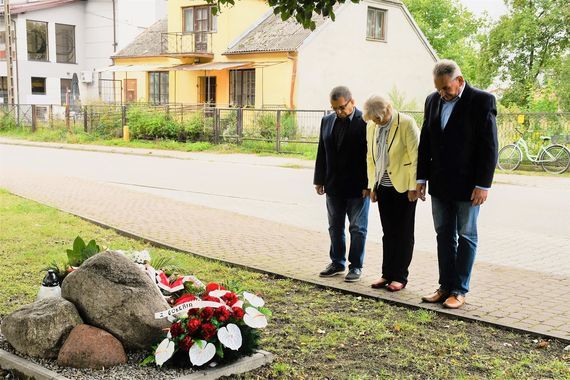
(267, 122)
(151, 124)
(193, 129)
(7, 121)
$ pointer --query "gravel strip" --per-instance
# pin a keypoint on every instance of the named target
(132, 370)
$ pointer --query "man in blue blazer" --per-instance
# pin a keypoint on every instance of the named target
(340, 172)
(456, 157)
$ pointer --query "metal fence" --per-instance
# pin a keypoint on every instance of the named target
(280, 130)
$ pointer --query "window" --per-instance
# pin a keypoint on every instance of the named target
(158, 87)
(130, 90)
(38, 86)
(4, 90)
(65, 43)
(37, 33)
(199, 19)
(376, 25)
(207, 90)
(65, 85)
(242, 88)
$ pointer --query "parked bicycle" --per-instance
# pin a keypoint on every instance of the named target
(554, 158)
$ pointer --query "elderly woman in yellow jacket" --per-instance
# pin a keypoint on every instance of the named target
(392, 139)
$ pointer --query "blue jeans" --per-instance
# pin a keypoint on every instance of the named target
(357, 211)
(456, 228)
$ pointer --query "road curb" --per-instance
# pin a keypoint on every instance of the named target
(35, 371)
(25, 367)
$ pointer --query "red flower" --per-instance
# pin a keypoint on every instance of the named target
(186, 343)
(222, 313)
(187, 297)
(230, 298)
(208, 331)
(213, 286)
(192, 312)
(176, 329)
(237, 313)
(211, 299)
(193, 325)
(207, 313)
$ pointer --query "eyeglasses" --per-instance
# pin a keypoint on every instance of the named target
(341, 108)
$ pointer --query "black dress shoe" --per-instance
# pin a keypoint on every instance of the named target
(331, 270)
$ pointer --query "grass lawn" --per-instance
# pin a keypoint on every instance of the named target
(300, 150)
(315, 333)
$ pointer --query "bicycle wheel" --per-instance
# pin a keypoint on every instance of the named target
(510, 157)
(555, 159)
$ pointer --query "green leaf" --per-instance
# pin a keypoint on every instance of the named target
(148, 360)
(265, 311)
(220, 350)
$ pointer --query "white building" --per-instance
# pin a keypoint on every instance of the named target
(57, 40)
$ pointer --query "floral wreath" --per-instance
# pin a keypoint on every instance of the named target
(210, 323)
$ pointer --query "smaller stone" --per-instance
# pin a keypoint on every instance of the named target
(91, 347)
(39, 329)
(567, 348)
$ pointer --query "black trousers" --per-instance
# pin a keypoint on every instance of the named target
(397, 215)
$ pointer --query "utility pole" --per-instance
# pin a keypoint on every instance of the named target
(9, 42)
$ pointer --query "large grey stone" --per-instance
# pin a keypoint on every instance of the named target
(112, 293)
(40, 329)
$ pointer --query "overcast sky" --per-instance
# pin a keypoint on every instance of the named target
(495, 8)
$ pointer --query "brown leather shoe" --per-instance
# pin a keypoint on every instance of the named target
(438, 296)
(454, 301)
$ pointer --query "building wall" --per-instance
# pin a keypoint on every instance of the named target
(131, 18)
(71, 14)
(339, 54)
(232, 21)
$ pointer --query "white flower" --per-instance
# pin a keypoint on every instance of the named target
(164, 351)
(230, 336)
(201, 352)
(218, 293)
(141, 257)
(253, 300)
(254, 318)
(238, 304)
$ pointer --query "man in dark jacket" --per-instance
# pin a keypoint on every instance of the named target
(456, 157)
(340, 172)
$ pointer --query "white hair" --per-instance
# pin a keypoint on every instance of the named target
(446, 67)
(376, 106)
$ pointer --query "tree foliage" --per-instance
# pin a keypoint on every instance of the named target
(528, 48)
(453, 31)
(301, 10)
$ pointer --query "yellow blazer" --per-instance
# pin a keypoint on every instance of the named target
(403, 141)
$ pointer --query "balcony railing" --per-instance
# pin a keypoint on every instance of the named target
(197, 43)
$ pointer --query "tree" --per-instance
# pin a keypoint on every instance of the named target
(454, 33)
(528, 48)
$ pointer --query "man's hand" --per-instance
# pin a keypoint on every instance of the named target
(421, 191)
(365, 193)
(412, 195)
(320, 189)
(478, 196)
(373, 197)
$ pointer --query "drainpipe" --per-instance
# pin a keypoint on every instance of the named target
(293, 57)
(115, 50)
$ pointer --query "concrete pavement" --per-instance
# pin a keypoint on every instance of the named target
(509, 288)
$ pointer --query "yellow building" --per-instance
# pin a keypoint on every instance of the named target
(184, 60)
(247, 56)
